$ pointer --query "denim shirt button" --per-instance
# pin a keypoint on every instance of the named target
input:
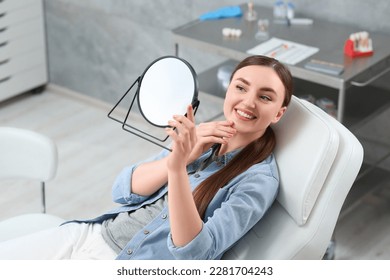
(146, 232)
(196, 175)
(163, 216)
(129, 251)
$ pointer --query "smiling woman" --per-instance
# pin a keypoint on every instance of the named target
(258, 95)
(196, 201)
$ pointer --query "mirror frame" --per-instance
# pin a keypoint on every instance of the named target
(138, 132)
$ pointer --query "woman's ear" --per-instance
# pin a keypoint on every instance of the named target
(280, 114)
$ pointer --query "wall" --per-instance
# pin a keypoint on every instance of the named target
(99, 47)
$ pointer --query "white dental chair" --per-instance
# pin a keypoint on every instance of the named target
(318, 160)
(25, 154)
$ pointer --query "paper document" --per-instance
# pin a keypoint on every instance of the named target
(284, 51)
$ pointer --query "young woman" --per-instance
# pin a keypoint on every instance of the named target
(196, 201)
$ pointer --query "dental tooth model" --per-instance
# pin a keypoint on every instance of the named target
(231, 32)
(358, 44)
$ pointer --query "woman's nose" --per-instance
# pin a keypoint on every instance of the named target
(250, 100)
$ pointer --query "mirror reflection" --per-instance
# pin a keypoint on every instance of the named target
(166, 88)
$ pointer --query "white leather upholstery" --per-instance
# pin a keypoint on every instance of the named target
(318, 160)
(26, 224)
(307, 146)
(28, 155)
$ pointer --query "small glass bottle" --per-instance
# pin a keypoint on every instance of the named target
(279, 10)
(250, 14)
(290, 10)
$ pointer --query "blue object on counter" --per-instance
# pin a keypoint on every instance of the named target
(224, 12)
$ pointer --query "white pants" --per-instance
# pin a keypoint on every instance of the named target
(71, 241)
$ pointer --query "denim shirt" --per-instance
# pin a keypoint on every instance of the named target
(234, 210)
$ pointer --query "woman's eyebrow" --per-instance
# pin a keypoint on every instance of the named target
(244, 81)
(268, 89)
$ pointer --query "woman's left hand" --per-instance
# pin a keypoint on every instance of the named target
(183, 135)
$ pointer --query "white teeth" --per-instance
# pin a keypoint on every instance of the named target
(245, 115)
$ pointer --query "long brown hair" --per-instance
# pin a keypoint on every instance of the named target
(253, 153)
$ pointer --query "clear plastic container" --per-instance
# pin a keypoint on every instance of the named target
(280, 11)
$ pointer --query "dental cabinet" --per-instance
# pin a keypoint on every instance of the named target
(23, 62)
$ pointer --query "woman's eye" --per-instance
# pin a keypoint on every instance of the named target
(240, 88)
(265, 97)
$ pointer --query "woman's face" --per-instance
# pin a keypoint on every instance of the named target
(254, 100)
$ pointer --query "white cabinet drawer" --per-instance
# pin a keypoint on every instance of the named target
(23, 82)
(22, 45)
(14, 31)
(11, 67)
(20, 15)
(9, 5)
(23, 63)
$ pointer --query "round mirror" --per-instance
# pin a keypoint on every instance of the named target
(167, 86)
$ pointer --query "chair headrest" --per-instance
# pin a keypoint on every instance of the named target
(306, 148)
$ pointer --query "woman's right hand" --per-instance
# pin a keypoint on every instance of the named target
(210, 133)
